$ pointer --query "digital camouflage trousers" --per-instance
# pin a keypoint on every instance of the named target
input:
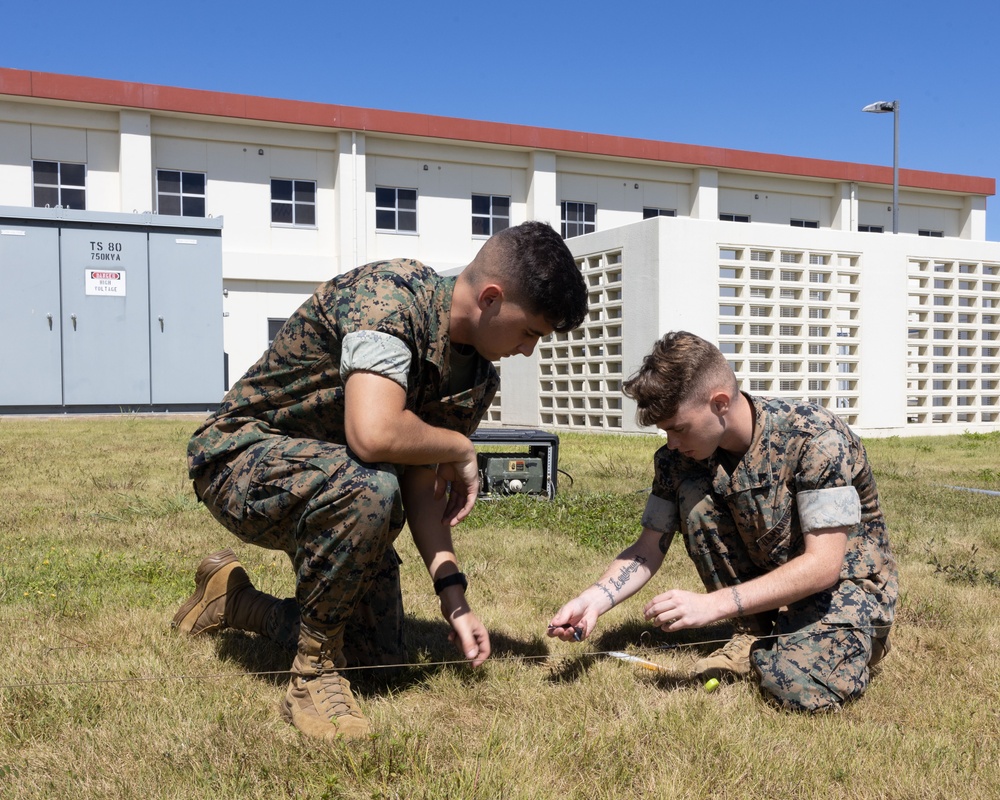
(337, 518)
(813, 655)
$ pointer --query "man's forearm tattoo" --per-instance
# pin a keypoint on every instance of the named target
(738, 601)
(627, 572)
(606, 591)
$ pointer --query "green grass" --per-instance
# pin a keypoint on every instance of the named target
(100, 535)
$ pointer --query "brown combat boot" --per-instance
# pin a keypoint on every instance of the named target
(730, 660)
(224, 597)
(319, 701)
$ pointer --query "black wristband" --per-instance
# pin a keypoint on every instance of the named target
(455, 579)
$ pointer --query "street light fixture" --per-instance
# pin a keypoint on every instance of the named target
(884, 107)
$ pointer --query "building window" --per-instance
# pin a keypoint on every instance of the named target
(180, 194)
(395, 209)
(649, 213)
(578, 218)
(926, 232)
(273, 326)
(490, 214)
(725, 216)
(59, 184)
(871, 228)
(293, 202)
(804, 223)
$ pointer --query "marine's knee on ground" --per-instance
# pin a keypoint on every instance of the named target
(803, 672)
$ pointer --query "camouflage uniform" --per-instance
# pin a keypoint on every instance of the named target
(273, 464)
(805, 470)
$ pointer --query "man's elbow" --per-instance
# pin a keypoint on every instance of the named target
(831, 579)
(370, 443)
(827, 573)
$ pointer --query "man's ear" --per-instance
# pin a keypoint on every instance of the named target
(489, 294)
(720, 402)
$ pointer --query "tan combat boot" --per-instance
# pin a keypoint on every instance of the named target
(732, 659)
(319, 701)
(224, 597)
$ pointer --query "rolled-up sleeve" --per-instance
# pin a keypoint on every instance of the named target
(660, 515)
(837, 507)
(374, 351)
(826, 496)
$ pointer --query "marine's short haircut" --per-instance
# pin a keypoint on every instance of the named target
(539, 272)
(680, 367)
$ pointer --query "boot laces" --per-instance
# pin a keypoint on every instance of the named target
(332, 693)
(737, 647)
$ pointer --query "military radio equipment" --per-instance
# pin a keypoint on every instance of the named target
(516, 461)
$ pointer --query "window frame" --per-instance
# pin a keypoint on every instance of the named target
(581, 207)
(491, 216)
(60, 185)
(651, 212)
(396, 210)
(181, 194)
(294, 203)
(274, 326)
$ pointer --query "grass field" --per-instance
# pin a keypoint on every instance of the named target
(100, 535)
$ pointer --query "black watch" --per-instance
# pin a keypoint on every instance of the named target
(455, 579)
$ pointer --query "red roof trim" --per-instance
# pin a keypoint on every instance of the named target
(50, 86)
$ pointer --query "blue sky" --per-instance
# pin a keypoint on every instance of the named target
(778, 77)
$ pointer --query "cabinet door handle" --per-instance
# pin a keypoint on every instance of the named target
(161, 323)
(49, 318)
(73, 317)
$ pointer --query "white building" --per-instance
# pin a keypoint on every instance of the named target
(777, 259)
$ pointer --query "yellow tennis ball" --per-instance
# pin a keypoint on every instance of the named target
(711, 684)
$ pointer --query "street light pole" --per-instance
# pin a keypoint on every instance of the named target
(884, 107)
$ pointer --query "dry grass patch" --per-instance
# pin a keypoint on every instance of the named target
(100, 535)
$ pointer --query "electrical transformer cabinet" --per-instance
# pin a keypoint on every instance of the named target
(103, 311)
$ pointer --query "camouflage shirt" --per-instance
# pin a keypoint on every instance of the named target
(805, 470)
(388, 317)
